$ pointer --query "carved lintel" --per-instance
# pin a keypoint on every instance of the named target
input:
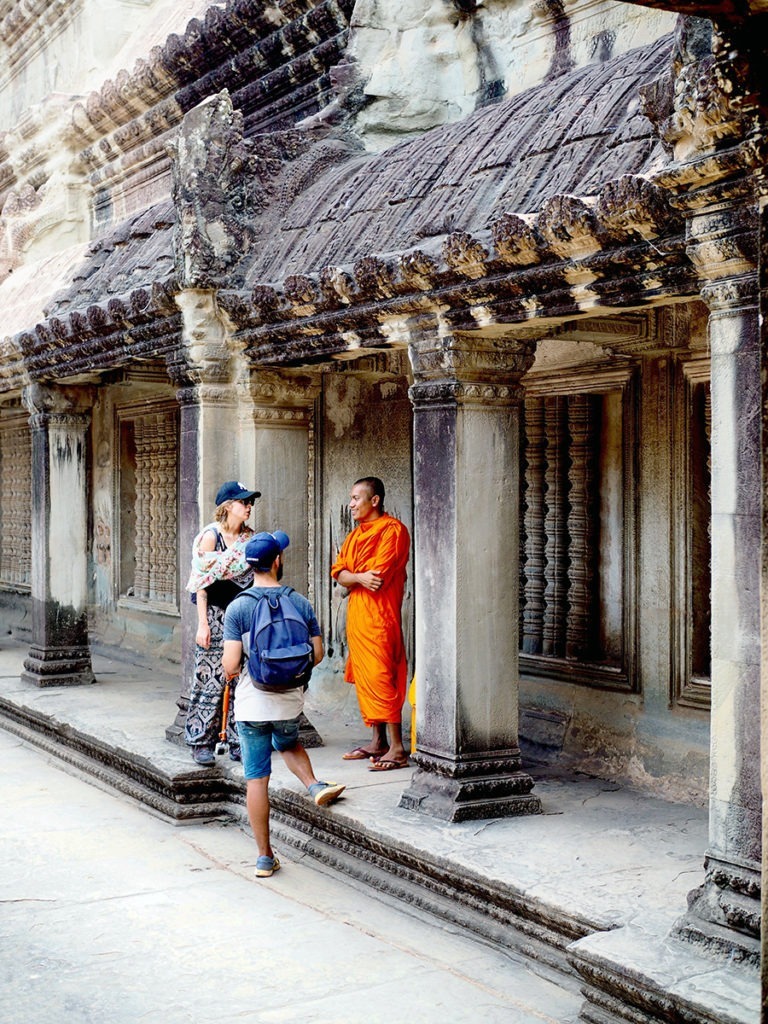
(296, 391)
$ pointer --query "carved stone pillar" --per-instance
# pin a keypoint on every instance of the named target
(764, 598)
(283, 442)
(209, 438)
(724, 912)
(466, 399)
(60, 653)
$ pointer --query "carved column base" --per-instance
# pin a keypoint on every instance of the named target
(174, 733)
(58, 666)
(724, 912)
(495, 787)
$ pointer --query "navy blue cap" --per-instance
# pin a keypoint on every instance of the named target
(233, 490)
(263, 549)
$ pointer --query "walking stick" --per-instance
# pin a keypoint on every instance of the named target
(222, 746)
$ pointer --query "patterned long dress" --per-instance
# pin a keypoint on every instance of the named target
(203, 724)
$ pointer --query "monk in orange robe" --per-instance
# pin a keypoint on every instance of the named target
(371, 565)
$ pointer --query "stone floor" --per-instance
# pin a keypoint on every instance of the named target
(593, 885)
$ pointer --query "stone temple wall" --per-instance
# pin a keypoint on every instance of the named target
(430, 62)
(425, 119)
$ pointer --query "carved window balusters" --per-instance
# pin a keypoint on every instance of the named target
(534, 538)
(15, 505)
(584, 428)
(556, 553)
(149, 461)
(694, 543)
(701, 540)
(569, 533)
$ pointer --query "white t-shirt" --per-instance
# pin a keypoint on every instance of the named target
(252, 705)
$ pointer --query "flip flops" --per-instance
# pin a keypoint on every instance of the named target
(385, 765)
(359, 754)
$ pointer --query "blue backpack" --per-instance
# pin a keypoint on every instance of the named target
(281, 656)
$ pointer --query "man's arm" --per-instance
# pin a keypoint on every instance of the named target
(232, 658)
(317, 648)
(370, 580)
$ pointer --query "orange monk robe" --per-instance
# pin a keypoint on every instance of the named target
(376, 664)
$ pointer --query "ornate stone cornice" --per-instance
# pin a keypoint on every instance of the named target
(143, 325)
(23, 20)
(233, 47)
(509, 275)
(268, 389)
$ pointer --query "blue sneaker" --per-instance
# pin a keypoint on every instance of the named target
(266, 866)
(204, 756)
(324, 793)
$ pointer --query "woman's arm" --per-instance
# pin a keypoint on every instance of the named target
(203, 635)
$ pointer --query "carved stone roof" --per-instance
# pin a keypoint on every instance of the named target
(138, 253)
(539, 207)
(116, 306)
(570, 136)
(274, 62)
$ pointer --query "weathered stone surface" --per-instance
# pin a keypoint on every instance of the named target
(511, 149)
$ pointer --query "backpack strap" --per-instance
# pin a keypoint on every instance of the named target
(286, 592)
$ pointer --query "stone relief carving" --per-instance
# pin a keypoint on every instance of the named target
(709, 96)
(211, 167)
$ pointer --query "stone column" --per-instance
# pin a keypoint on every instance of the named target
(763, 265)
(207, 457)
(210, 450)
(724, 912)
(282, 412)
(466, 397)
(60, 653)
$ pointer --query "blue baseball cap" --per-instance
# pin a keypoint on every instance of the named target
(233, 490)
(263, 549)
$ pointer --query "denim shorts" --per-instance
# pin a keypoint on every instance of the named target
(259, 739)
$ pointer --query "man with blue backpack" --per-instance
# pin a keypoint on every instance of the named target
(272, 641)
